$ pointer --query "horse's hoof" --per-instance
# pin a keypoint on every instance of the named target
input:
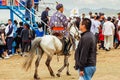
(58, 75)
(52, 75)
(68, 74)
(37, 78)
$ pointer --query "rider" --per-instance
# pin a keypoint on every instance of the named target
(58, 24)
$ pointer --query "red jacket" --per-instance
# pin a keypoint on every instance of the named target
(101, 36)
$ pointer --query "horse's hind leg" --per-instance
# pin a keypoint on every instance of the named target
(49, 58)
(66, 64)
(36, 77)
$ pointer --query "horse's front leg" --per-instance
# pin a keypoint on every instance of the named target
(49, 58)
(66, 64)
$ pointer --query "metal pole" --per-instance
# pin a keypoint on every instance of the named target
(11, 15)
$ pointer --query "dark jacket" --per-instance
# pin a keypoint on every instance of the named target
(29, 4)
(44, 16)
(85, 54)
(25, 35)
(19, 30)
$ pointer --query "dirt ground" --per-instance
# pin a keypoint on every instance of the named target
(108, 68)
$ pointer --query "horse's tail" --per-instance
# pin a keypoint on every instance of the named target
(28, 61)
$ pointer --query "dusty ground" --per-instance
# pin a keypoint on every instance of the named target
(108, 68)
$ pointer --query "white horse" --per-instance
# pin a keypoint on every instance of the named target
(50, 45)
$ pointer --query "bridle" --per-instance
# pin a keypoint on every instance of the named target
(76, 34)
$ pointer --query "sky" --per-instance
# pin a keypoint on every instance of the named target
(94, 4)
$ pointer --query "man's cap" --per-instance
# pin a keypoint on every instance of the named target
(59, 6)
(48, 8)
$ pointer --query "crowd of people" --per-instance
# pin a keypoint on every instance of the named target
(105, 29)
(15, 39)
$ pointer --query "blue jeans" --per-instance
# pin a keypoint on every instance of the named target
(88, 73)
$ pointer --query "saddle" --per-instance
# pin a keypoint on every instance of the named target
(58, 35)
(66, 42)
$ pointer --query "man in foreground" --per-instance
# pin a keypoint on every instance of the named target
(85, 55)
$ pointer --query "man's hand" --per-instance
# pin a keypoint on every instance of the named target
(81, 73)
(4, 42)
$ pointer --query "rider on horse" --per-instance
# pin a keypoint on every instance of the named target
(58, 24)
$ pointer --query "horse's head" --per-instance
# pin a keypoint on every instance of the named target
(74, 32)
(73, 29)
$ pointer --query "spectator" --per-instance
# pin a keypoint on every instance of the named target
(45, 19)
(118, 40)
(83, 16)
(3, 43)
(19, 40)
(31, 37)
(36, 3)
(28, 5)
(90, 15)
(114, 21)
(85, 55)
(97, 27)
(15, 27)
(39, 32)
(102, 18)
(15, 37)
(25, 38)
(93, 27)
(78, 21)
(96, 14)
(101, 39)
(9, 31)
(118, 31)
(108, 32)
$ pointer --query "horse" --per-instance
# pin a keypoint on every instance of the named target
(50, 45)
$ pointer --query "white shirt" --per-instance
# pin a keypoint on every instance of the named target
(93, 26)
(108, 28)
(97, 25)
(7, 29)
(118, 23)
